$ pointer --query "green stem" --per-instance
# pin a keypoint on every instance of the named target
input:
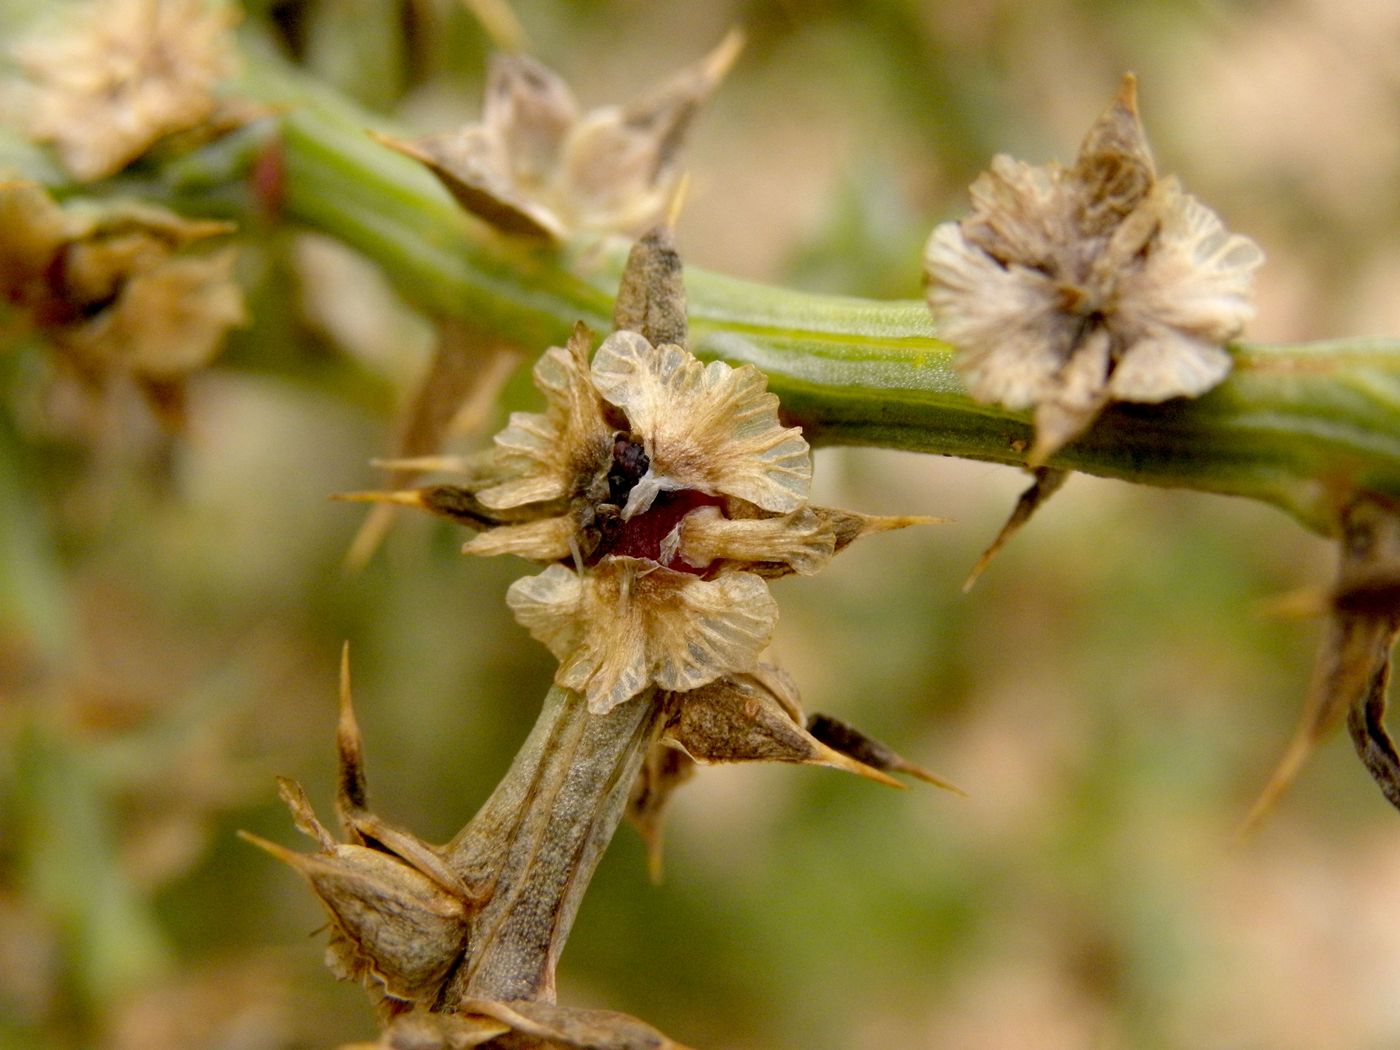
(539, 837)
(1299, 426)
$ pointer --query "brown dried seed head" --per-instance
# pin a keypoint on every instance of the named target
(1067, 289)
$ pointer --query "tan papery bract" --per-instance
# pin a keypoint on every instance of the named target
(536, 167)
(628, 623)
(707, 427)
(541, 456)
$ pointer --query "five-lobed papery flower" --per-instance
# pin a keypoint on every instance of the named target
(680, 481)
(1069, 288)
(535, 166)
(665, 491)
(123, 75)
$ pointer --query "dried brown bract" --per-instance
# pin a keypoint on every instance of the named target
(752, 717)
(537, 167)
(1069, 288)
(1352, 672)
(117, 290)
(399, 913)
(123, 75)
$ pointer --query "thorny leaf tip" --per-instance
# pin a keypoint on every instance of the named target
(352, 795)
(872, 753)
(1047, 481)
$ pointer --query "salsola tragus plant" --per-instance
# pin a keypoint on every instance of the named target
(1080, 318)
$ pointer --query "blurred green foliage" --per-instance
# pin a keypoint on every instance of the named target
(171, 610)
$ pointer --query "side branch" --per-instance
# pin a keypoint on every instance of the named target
(1300, 426)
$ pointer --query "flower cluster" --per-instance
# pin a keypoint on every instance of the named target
(1069, 288)
(535, 166)
(123, 76)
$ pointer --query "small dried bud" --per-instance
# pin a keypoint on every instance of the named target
(738, 719)
(393, 927)
(124, 75)
(651, 298)
(399, 913)
(1070, 288)
(534, 167)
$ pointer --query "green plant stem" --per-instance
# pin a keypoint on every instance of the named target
(539, 837)
(1301, 426)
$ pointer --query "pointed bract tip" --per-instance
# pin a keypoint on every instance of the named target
(829, 756)
(1305, 603)
(367, 540)
(408, 149)
(928, 776)
(422, 464)
(679, 196)
(346, 712)
(403, 498)
(282, 853)
(1282, 778)
(1127, 94)
(889, 523)
(656, 864)
(720, 61)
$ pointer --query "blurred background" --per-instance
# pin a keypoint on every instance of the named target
(1112, 695)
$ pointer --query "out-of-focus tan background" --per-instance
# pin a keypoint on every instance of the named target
(1110, 695)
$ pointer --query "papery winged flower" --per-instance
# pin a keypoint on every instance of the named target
(119, 290)
(537, 166)
(123, 75)
(1069, 288)
(664, 491)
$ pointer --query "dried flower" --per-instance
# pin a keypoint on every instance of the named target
(673, 490)
(116, 290)
(1067, 289)
(536, 167)
(664, 490)
(663, 493)
(124, 75)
